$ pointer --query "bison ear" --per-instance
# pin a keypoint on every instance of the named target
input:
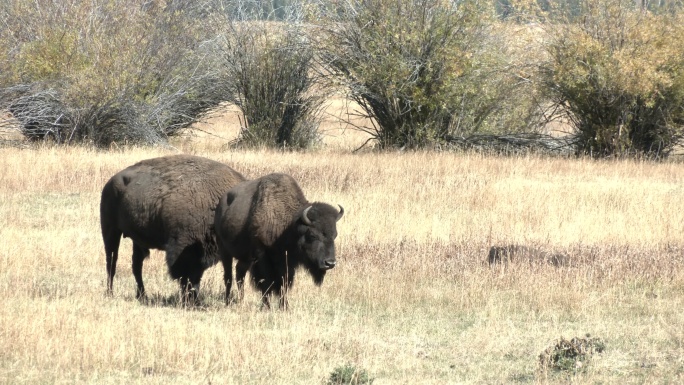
(340, 214)
(305, 217)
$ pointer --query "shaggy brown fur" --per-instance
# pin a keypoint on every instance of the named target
(262, 224)
(168, 204)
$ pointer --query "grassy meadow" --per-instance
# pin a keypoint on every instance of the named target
(412, 300)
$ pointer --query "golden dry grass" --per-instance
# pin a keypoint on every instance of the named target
(411, 300)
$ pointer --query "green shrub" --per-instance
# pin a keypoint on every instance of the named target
(349, 375)
(419, 68)
(617, 75)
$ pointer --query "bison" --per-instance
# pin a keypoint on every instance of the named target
(512, 252)
(166, 203)
(270, 228)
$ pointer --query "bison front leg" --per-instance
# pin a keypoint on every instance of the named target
(265, 278)
(190, 285)
(282, 278)
(188, 268)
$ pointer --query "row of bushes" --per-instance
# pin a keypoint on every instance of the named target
(428, 72)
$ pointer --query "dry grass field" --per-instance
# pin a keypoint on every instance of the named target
(412, 300)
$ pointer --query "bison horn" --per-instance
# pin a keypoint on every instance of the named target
(339, 215)
(305, 218)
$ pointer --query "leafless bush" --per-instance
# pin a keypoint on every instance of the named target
(269, 63)
(39, 113)
(571, 355)
(105, 70)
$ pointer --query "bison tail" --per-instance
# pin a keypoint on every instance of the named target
(111, 238)
(111, 234)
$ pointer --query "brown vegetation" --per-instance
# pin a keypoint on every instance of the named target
(426, 309)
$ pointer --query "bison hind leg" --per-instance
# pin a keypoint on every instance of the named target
(139, 255)
(241, 269)
(227, 263)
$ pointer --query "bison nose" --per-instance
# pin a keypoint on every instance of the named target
(329, 264)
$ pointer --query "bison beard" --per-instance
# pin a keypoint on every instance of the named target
(316, 273)
(276, 276)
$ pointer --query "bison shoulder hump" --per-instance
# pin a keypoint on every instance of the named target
(277, 200)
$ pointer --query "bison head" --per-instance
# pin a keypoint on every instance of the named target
(317, 230)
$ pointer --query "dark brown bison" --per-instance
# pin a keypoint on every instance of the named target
(509, 253)
(270, 228)
(168, 204)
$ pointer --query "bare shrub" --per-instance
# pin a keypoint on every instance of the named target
(269, 63)
(515, 144)
(104, 71)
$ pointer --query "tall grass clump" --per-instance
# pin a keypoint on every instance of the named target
(615, 72)
(269, 62)
(349, 375)
(104, 71)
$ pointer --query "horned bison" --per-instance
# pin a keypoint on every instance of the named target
(271, 229)
(166, 203)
